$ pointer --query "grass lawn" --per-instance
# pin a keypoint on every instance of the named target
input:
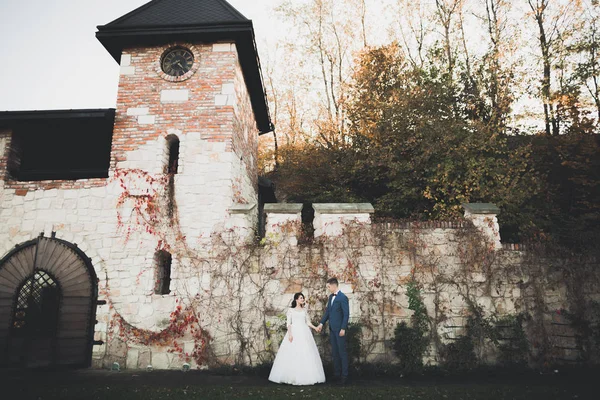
(90, 385)
(490, 392)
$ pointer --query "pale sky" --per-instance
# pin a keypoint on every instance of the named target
(51, 59)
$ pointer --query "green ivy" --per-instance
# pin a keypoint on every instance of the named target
(415, 303)
(411, 342)
(506, 333)
(354, 346)
(513, 345)
(586, 321)
(460, 354)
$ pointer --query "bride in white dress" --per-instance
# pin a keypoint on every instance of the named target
(298, 361)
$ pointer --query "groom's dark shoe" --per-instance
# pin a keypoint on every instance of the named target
(343, 381)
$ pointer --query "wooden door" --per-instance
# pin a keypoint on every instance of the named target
(48, 292)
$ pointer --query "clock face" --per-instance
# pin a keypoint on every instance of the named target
(177, 61)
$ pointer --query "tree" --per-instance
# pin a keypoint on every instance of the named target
(413, 20)
(588, 48)
(499, 78)
(418, 152)
(447, 11)
(555, 20)
(418, 128)
(326, 34)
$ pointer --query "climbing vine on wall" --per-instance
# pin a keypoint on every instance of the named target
(231, 290)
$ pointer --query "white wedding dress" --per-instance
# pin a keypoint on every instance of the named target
(298, 362)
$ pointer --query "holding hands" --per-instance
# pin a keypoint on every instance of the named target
(319, 328)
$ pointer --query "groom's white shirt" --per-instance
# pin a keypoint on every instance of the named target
(333, 298)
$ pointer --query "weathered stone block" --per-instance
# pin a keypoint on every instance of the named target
(147, 120)
(174, 95)
(137, 111)
(222, 47)
(132, 358)
(144, 358)
(127, 71)
(160, 360)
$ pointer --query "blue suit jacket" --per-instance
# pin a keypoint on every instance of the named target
(337, 313)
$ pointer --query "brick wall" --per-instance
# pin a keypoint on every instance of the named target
(148, 105)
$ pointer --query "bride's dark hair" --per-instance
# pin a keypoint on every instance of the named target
(296, 296)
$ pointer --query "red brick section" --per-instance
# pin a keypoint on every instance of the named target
(198, 114)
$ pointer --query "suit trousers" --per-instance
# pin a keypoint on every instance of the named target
(339, 353)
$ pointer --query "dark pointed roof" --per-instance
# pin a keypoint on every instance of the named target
(166, 21)
(180, 12)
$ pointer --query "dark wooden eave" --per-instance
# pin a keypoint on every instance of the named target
(9, 119)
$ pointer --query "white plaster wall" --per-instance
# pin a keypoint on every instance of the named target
(204, 189)
(488, 225)
(333, 224)
(283, 227)
(88, 217)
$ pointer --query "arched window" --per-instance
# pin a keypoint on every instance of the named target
(163, 272)
(37, 306)
(173, 150)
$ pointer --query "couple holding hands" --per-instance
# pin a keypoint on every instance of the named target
(298, 361)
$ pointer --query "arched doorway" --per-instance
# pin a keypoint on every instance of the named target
(48, 294)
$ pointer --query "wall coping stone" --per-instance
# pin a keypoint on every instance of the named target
(242, 208)
(283, 208)
(343, 208)
(481, 208)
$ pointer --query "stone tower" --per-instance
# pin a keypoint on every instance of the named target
(191, 100)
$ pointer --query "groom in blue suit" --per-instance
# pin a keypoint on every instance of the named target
(337, 312)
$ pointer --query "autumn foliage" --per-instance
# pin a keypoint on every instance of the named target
(419, 144)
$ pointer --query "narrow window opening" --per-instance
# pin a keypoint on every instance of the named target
(163, 272)
(171, 168)
(173, 146)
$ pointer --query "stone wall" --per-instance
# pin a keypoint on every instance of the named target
(239, 291)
